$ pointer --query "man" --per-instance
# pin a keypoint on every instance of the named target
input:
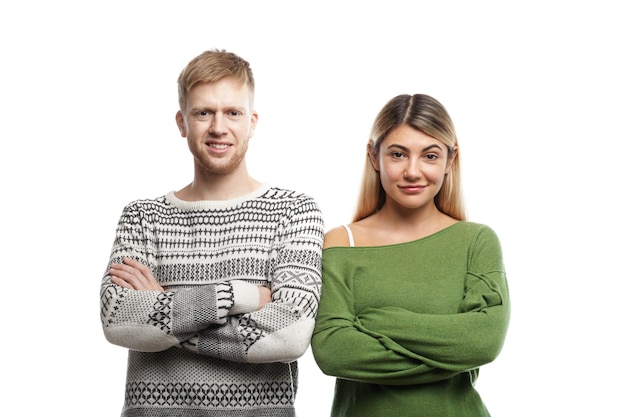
(214, 288)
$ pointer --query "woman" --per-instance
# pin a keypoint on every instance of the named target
(414, 296)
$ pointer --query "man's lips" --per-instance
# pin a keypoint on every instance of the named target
(218, 147)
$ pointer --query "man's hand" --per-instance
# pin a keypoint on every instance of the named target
(134, 275)
(265, 296)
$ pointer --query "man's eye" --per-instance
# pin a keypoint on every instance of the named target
(203, 114)
(235, 113)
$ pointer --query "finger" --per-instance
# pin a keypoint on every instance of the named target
(130, 275)
(135, 268)
(118, 267)
(137, 265)
(125, 273)
(144, 269)
(135, 274)
(121, 283)
(123, 279)
(122, 268)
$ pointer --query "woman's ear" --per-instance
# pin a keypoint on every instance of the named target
(373, 155)
(451, 158)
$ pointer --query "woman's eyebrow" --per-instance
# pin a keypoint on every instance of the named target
(434, 145)
(405, 149)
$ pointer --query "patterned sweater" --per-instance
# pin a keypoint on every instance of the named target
(199, 348)
(405, 327)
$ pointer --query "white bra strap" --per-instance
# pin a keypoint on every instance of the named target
(345, 226)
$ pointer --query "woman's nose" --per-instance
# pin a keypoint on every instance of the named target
(412, 170)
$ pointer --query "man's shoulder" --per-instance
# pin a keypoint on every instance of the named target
(291, 201)
(146, 203)
(280, 193)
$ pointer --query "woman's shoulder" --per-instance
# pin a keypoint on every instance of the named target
(475, 227)
(475, 232)
(337, 236)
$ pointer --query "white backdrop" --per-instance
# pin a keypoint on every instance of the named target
(536, 90)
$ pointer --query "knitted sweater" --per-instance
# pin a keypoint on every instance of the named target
(199, 348)
(405, 327)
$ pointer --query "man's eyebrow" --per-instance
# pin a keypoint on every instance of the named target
(225, 109)
(199, 108)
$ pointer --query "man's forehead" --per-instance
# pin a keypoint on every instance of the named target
(220, 93)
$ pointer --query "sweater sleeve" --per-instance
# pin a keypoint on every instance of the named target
(390, 345)
(153, 321)
(281, 331)
(342, 349)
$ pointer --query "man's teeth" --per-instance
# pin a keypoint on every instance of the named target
(218, 145)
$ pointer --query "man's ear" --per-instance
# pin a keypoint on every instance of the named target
(372, 155)
(180, 122)
(254, 118)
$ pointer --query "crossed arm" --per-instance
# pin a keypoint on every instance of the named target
(251, 319)
(136, 276)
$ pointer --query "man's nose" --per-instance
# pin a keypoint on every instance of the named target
(218, 124)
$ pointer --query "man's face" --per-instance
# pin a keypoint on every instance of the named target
(218, 122)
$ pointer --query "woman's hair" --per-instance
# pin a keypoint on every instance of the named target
(427, 115)
(211, 66)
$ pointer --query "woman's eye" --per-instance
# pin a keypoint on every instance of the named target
(431, 156)
(397, 154)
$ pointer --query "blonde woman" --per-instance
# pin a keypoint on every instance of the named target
(414, 296)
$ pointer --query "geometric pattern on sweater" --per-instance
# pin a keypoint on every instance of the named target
(202, 388)
(272, 237)
(158, 317)
(232, 243)
(250, 330)
(180, 394)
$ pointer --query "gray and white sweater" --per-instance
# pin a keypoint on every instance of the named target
(199, 348)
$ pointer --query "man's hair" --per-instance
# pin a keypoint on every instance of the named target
(211, 66)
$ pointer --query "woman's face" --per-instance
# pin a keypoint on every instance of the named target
(412, 167)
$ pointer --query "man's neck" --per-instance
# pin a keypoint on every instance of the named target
(216, 188)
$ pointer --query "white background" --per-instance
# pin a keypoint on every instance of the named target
(536, 90)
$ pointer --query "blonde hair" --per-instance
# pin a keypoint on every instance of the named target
(430, 117)
(211, 66)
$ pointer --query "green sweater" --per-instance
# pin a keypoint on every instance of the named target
(405, 327)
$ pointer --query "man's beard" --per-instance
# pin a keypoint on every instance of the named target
(220, 166)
